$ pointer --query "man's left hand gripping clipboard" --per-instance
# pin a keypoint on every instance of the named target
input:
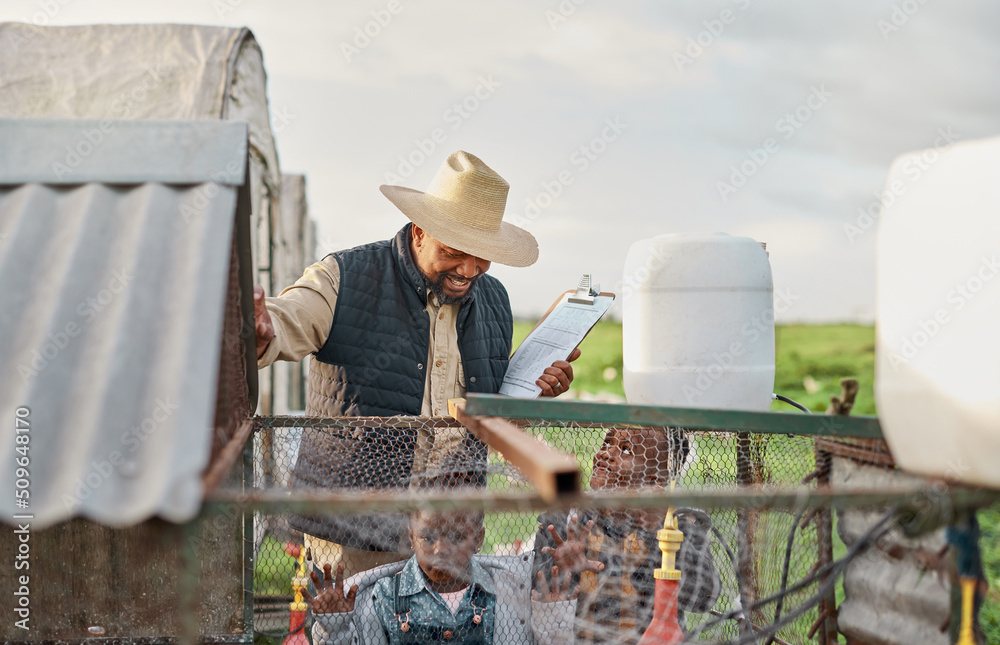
(560, 330)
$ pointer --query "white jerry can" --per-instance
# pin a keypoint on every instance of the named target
(937, 350)
(698, 322)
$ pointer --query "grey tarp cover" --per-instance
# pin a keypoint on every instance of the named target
(151, 71)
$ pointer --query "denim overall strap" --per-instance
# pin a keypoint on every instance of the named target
(418, 629)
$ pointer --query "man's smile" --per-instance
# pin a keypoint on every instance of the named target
(458, 283)
(453, 288)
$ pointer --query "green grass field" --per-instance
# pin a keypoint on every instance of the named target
(810, 362)
(601, 353)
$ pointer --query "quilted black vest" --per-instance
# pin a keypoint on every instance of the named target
(380, 335)
(374, 361)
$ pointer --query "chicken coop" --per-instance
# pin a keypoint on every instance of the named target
(126, 290)
(797, 507)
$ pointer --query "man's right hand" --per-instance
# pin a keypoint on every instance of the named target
(262, 321)
(330, 597)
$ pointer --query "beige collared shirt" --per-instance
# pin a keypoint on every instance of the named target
(302, 315)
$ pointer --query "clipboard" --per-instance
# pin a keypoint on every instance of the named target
(555, 336)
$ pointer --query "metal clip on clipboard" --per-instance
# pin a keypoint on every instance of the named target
(585, 292)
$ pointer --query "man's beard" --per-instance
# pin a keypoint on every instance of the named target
(437, 288)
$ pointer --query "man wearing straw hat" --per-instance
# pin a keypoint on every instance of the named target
(398, 327)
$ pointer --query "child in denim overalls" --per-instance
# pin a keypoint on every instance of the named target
(444, 594)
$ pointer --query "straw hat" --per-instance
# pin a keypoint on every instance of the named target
(463, 209)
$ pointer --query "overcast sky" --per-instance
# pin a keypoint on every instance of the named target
(774, 120)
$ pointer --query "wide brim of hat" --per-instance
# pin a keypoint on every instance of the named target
(510, 245)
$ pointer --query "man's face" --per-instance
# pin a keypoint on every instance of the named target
(444, 544)
(450, 273)
(630, 458)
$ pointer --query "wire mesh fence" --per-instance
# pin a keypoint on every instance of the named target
(730, 558)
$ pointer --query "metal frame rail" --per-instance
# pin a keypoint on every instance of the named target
(556, 486)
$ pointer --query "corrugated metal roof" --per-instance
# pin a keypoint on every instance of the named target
(112, 291)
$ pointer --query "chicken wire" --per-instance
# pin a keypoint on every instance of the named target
(731, 557)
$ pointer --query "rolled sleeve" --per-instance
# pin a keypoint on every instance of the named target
(333, 629)
(553, 622)
(302, 314)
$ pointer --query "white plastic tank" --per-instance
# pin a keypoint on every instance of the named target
(937, 348)
(698, 322)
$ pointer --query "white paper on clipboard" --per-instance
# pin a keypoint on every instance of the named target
(552, 340)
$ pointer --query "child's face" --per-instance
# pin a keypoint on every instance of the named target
(444, 544)
(629, 458)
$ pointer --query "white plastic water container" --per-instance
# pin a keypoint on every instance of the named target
(698, 322)
(937, 356)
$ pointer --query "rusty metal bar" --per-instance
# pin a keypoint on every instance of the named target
(824, 449)
(824, 539)
(204, 639)
(249, 538)
(820, 620)
(227, 457)
(936, 502)
(552, 473)
(746, 529)
(867, 454)
(404, 422)
(347, 423)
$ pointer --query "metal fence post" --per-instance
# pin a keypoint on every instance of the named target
(189, 579)
(746, 522)
(824, 539)
(249, 539)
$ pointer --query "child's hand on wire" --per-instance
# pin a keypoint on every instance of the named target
(570, 555)
(557, 591)
(330, 597)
